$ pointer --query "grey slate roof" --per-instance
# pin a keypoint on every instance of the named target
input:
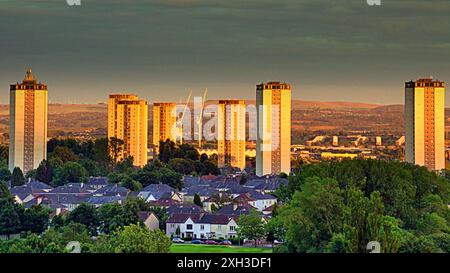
(112, 189)
(232, 210)
(216, 219)
(73, 188)
(98, 181)
(102, 200)
(159, 191)
(184, 208)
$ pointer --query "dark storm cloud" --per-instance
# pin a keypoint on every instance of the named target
(329, 50)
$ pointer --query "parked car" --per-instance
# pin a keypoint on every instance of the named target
(211, 242)
(226, 243)
(197, 242)
(177, 240)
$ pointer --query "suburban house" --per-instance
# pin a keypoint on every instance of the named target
(26, 193)
(154, 192)
(149, 219)
(98, 182)
(261, 200)
(201, 226)
(181, 225)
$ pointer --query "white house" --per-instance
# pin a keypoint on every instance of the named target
(206, 226)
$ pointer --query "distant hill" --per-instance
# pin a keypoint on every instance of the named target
(302, 104)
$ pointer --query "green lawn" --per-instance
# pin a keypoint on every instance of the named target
(190, 248)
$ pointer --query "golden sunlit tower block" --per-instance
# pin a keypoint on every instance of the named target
(28, 123)
(273, 142)
(165, 123)
(128, 121)
(425, 123)
(231, 133)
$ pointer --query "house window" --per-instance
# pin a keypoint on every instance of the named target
(189, 226)
(232, 228)
(202, 227)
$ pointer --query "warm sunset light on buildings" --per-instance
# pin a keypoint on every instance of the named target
(164, 122)
(273, 144)
(28, 123)
(128, 121)
(425, 123)
(231, 133)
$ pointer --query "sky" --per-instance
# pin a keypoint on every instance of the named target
(329, 50)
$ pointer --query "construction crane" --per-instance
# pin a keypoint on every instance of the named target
(180, 120)
(200, 119)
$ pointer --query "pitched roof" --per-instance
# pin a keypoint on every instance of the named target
(73, 188)
(260, 196)
(164, 202)
(182, 217)
(143, 215)
(244, 198)
(33, 187)
(158, 191)
(68, 198)
(234, 210)
(112, 189)
(216, 219)
(38, 185)
(98, 181)
(184, 208)
(200, 190)
(101, 200)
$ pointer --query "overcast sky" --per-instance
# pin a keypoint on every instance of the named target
(330, 50)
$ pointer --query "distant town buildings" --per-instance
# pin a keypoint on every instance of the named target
(28, 123)
(128, 121)
(378, 141)
(425, 123)
(273, 144)
(231, 133)
(335, 141)
(164, 123)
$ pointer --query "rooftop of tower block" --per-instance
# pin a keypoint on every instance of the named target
(425, 82)
(274, 85)
(231, 101)
(167, 104)
(29, 83)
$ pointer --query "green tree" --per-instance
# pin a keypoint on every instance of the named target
(110, 217)
(70, 172)
(198, 200)
(65, 154)
(5, 174)
(134, 239)
(251, 227)
(129, 183)
(86, 215)
(115, 148)
(10, 216)
(17, 178)
(36, 219)
(44, 172)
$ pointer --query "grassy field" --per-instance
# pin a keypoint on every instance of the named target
(190, 248)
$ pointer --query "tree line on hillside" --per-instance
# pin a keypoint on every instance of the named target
(342, 206)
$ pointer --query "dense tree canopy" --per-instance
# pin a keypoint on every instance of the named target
(341, 206)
